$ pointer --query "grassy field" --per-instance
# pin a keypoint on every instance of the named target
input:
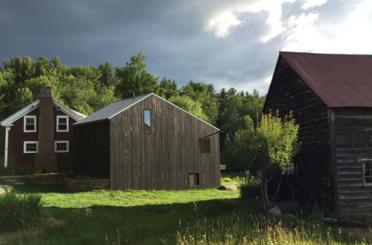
(208, 216)
(122, 217)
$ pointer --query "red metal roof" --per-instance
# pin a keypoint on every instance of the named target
(340, 80)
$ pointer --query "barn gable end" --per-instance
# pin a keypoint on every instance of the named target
(288, 93)
(154, 144)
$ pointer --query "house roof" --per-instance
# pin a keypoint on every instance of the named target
(7, 122)
(340, 80)
(114, 109)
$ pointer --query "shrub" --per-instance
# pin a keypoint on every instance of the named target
(18, 211)
(249, 186)
(250, 191)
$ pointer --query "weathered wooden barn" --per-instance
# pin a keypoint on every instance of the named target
(330, 96)
(146, 142)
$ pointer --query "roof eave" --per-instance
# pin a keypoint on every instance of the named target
(71, 113)
(8, 122)
(142, 99)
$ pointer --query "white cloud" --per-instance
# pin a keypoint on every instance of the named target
(307, 26)
(352, 35)
(222, 24)
(224, 21)
(307, 4)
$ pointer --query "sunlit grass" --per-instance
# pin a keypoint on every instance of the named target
(127, 198)
(257, 230)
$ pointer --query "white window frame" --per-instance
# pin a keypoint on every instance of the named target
(364, 161)
(30, 142)
(57, 123)
(61, 141)
(24, 124)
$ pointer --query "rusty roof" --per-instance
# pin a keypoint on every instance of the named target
(340, 80)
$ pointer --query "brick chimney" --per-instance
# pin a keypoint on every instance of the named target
(45, 158)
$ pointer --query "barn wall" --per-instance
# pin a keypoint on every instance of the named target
(160, 157)
(353, 141)
(289, 93)
(91, 153)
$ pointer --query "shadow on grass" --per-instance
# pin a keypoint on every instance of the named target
(150, 224)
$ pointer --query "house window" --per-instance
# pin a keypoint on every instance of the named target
(61, 146)
(193, 179)
(147, 117)
(367, 172)
(29, 124)
(30, 147)
(62, 123)
(204, 145)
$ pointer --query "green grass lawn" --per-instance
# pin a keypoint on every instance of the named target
(65, 199)
(133, 217)
(185, 217)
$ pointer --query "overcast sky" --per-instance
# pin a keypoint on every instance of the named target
(229, 43)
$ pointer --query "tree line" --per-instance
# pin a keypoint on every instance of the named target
(89, 88)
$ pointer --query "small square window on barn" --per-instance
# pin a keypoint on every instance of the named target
(29, 124)
(147, 117)
(204, 145)
(62, 124)
(61, 146)
(30, 147)
(193, 179)
(367, 172)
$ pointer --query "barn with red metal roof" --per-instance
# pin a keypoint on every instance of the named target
(330, 97)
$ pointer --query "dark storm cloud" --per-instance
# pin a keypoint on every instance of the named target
(171, 34)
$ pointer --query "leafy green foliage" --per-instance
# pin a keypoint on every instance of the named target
(168, 88)
(189, 105)
(272, 143)
(205, 95)
(134, 79)
(234, 111)
(18, 211)
(83, 88)
(276, 141)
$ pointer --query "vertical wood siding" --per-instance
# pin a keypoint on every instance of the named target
(288, 93)
(353, 142)
(160, 157)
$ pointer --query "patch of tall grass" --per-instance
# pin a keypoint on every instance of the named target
(258, 231)
(18, 211)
